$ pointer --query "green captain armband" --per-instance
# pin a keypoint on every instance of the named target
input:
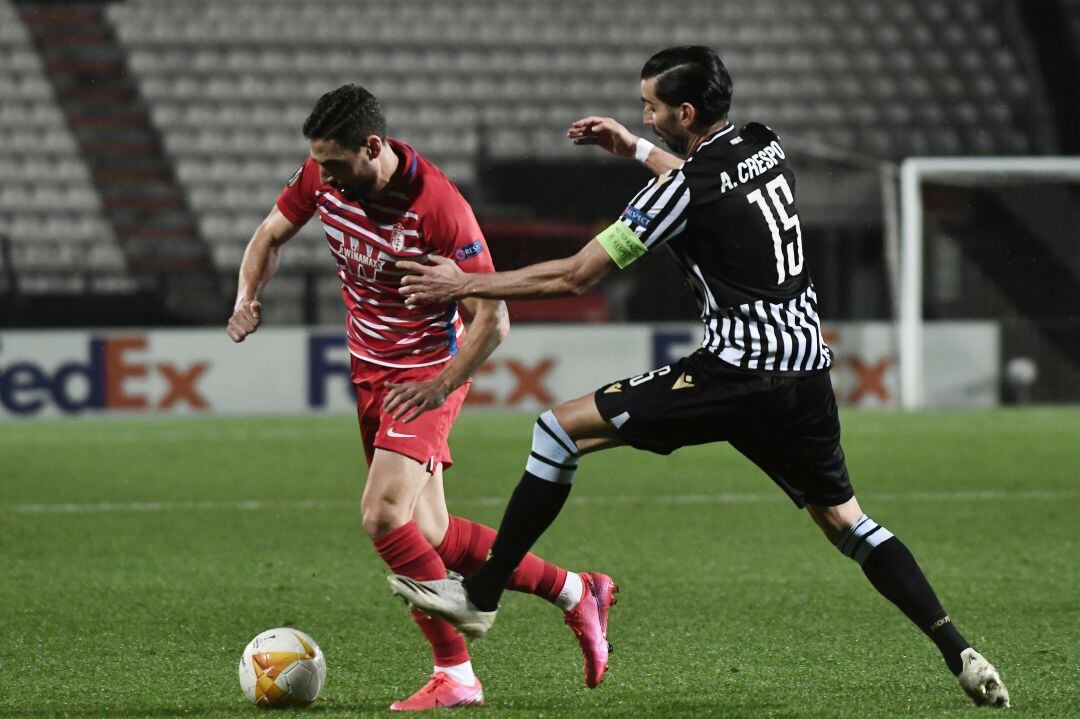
(620, 242)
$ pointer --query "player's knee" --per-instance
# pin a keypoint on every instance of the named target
(381, 515)
(835, 521)
(860, 539)
(554, 454)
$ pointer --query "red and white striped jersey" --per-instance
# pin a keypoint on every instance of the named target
(419, 212)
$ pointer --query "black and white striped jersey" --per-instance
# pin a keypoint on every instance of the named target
(728, 216)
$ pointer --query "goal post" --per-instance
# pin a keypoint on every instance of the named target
(959, 170)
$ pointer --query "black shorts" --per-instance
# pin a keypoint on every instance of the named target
(787, 425)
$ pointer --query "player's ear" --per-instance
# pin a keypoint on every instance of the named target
(373, 145)
(687, 115)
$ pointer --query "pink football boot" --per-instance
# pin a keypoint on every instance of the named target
(588, 620)
(442, 692)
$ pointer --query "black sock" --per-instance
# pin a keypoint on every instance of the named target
(893, 571)
(532, 508)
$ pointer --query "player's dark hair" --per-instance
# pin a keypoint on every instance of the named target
(348, 116)
(693, 74)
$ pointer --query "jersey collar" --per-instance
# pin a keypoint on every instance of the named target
(714, 136)
(406, 171)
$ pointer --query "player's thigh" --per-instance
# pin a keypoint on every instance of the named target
(367, 413)
(430, 512)
(424, 438)
(693, 401)
(393, 488)
(793, 435)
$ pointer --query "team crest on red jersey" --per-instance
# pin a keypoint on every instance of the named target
(397, 237)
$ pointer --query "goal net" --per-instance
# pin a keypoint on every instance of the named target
(991, 243)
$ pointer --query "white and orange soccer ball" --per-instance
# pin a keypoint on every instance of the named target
(282, 668)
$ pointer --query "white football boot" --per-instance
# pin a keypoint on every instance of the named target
(981, 681)
(444, 598)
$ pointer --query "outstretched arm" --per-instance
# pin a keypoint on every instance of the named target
(608, 134)
(259, 265)
(443, 280)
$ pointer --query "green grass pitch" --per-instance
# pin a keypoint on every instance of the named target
(138, 557)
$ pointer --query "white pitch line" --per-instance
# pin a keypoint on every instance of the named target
(99, 432)
(143, 507)
(97, 436)
(672, 499)
(164, 434)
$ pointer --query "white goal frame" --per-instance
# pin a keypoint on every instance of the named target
(913, 172)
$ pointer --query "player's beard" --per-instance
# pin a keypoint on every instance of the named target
(678, 145)
(675, 143)
(356, 190)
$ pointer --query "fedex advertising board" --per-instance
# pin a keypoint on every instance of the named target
(295, 371)
(961, 361)
(277, 371)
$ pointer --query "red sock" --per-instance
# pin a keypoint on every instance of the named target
(410, 555)
(465, 547)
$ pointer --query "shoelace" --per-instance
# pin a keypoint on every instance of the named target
(437, 680)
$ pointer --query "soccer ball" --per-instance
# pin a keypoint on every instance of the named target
(282, 668)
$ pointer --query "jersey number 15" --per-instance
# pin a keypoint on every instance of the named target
(794, 264)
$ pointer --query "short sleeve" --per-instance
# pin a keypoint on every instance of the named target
(297, 200)
(655, 215)
(452, 229)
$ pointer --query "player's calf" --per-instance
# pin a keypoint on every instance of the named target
(536, 501)
(893, 571)
(465, 547)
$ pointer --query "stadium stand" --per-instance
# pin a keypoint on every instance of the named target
(49, 208)
(165, 257)
(475, 84)
(231, 83)
(480, 86)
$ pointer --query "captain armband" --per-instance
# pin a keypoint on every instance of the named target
(621, 244)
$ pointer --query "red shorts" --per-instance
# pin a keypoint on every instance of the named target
(422, 439)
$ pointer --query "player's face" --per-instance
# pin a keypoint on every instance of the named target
(354, 173)
(663, 118)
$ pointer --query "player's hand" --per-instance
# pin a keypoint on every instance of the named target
(246, 317)
(408, 401)
(435, 283)
(604, 132)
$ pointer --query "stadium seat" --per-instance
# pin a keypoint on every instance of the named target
(504, 79)
(49, 207)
